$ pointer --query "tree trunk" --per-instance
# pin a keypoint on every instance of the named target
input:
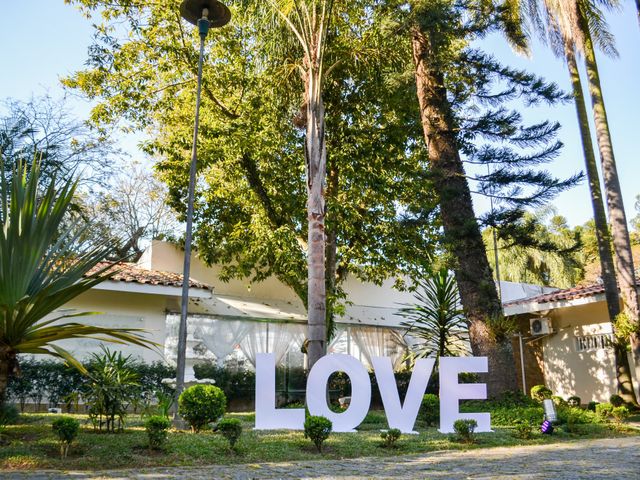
(316, 161)
(8, 366)
(623, 373)
(617, 216)
(462, 234)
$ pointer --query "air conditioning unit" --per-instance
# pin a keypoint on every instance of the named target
(541, 326)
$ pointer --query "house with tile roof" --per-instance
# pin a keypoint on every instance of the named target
(230, 322)
(565, 343)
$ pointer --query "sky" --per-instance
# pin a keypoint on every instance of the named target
(44, 40)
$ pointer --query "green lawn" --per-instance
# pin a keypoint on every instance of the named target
(31, 444)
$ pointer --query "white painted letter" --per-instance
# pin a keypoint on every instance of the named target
(451, 392)
(348, 420)
(267, 416)
(402, 416)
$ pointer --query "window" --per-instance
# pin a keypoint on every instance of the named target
(589, 343)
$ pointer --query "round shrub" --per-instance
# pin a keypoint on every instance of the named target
(390, 437)
(231, 429)
(592, 405)
(559, 401)
(523, 429)
(317, 429)
(465, 429)
(620, 414)
(201, 404)
(431, 409)
(616, 400)
(574, 401)
(157, 427)
(540, 392)
(66, 429)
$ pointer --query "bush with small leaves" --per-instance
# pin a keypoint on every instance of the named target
(465, 429)
(231, 429)
(616, 400)
(574, 401)
(66, 429)
(156, 428)
(431, 409)
(620, 414)
(559, 401)
(317, 429)
(592, 405)
(523, 429)
(390, 437)
(540, 392)
(200, 405)
(603, 411)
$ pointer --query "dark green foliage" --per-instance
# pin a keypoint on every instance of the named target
(616, 400)
(604, 410)
(523, 429)
(231, 429)
(390, 437)
(156, 428)
(575, 415)
(201, 404)
(66, 429)
(574, 401)
(540, 392)
(509, 408)
(317, 429)
(592, 406)
(58, 383)
(430, 409)
(620, 414)
(8, 415)
(465, 429)
(236, 384)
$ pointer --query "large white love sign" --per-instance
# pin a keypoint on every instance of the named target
(400, 415)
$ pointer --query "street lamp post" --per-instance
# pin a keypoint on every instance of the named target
(205, 14)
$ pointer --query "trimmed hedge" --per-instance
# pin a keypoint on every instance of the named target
(52, 382)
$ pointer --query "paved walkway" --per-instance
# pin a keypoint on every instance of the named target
(589, 459)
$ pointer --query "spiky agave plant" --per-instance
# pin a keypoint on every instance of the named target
(42, 267)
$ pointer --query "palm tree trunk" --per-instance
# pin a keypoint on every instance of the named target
(462, 234)
(8, 366)
(316, 161)
(623, 372)
(617, 216)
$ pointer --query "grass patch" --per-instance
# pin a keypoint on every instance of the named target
(32, 445)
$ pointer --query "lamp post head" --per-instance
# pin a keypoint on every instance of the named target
(217, 13)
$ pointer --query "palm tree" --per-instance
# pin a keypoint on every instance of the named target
(308, 21)
(569, 25)
(42, 267)
(437, 320)
(547, 257)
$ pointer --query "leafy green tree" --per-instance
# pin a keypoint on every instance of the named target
(462, 94)
(41, 269)
(572, 26)
(251, 211)
(437, 320)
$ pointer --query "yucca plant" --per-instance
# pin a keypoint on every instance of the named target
(436, 321)
(42, 267)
